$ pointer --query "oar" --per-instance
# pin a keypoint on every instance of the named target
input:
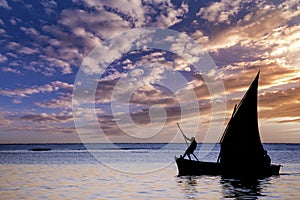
(182, 134)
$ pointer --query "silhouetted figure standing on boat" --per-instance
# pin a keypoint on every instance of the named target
(267, 158)
(190, 150)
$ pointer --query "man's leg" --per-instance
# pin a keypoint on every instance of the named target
(189, 156)
(195, 157)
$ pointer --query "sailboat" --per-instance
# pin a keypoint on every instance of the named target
(241, 153)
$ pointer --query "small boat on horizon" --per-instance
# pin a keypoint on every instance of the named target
(242, 153)
(40, 149)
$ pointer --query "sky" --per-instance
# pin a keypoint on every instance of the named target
(127, 71)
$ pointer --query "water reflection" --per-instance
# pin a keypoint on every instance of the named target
(189, 186)
(200, 187)
(216, 187)
(243, 189)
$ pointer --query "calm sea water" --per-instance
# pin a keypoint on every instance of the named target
(133, 171)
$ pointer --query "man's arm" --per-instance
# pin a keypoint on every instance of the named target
(189, 139)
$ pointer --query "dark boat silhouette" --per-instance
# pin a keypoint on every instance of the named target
(242, 153)
(40, 149)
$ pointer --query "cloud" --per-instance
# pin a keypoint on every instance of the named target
(277, 102)
(286, 48)
(220, 12)
(62, 85)
(8, 69)
(35, 124)
(30, 31)
(162, 13)
(14, 20)
(109, 18)
(49, 6)
(5, 120)
(91, 26)
(4, 4)
(81, 28)
(62, 64)
(282, 103)
(3, 58)
(27, 51)
(196, 86)
(252, 28)
(17, 101)
(263, 38)
(62, 102)
(46, 118)
(128, 11)
(51, 57)
(289, 120)
(142, 77)
(149, 95)
(241, 36)
(273, 75)
(26, 92)
(13, 45)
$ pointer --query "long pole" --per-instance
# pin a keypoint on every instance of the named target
(182, 134)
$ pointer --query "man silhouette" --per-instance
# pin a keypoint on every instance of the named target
(267, 158)
(190, 150)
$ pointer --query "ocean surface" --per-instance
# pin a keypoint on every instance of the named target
(133, 171)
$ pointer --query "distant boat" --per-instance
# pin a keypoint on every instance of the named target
(242, 153)
(40, 149)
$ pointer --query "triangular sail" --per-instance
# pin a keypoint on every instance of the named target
(241, 144)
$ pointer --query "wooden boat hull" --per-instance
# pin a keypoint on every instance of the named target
(192, 167)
